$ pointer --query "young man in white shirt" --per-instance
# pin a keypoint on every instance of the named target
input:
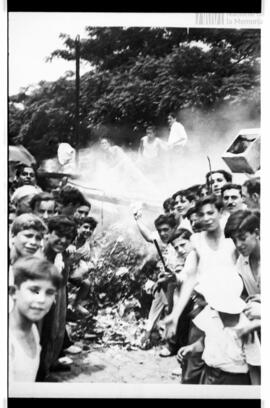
(212, 260)
(177, 137)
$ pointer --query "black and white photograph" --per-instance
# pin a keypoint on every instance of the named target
(134, 173)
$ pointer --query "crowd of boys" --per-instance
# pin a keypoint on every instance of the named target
(206, 299)
(50, 247)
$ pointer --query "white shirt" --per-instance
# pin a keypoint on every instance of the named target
(252, 283)
(223, 349)
(22, 367)
(214, 265)
(150, 149)
(177, 135)
(66, 157)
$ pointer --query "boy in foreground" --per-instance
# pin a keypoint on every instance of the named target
(36, 282)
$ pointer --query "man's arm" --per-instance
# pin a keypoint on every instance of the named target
(189, 282)
(145, 232)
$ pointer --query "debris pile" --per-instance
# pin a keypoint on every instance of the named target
(118, 303)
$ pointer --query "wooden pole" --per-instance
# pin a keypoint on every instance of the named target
(77, 97)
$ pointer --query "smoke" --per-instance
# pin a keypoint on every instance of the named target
(127, 180)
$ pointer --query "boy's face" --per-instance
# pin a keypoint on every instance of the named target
(246, 242)
(58, 243)
(249, 199)
(27, 242)
(182, 246)
(209, 216)
(81, 212)
(232, 200)
(150, 133)
(85, 230)
(165, 232)
(217, 181)
(27, 177)
(195, 223)
(34, 298)
(171, 120)
(181, 204)
(45, 209)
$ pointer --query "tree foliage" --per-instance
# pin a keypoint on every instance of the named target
(138, 75)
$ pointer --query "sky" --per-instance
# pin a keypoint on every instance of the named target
(32, 37)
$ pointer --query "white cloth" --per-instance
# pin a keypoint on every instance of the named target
(223, 349)
(252, 283)
(22, 367)
(214, 265)
(66, 157)
(177, 136)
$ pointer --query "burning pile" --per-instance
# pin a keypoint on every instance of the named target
(118, 303)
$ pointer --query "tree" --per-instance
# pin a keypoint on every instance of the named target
(138, 75)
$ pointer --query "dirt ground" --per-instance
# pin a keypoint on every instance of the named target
(116, 364)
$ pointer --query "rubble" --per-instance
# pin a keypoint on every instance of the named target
(118, 304)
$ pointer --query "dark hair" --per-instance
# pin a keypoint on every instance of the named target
(165, 219)
(200, 188)
(187, 193)
(210, 199)
(63, 226)
(21, 166)
(172, 114)
(168, 204)
(44, 196)
(71, 195)
(87, 220)
(229, 186)
(26, 221)
(242, 221)
(181, 232)
(191, 211)
(226, 174)
(35, 268)
(253, 185)
(194, 189)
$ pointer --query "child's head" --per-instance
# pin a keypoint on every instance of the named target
(27, 231)
(43, 205)
(243, 227)
(62, 231)
(208, 210)
(165, 225)
(216, 179)
(180, 240)
(36, 281)
(183, 201)
(86, 227)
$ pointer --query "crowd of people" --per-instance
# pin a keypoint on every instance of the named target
(206, 298)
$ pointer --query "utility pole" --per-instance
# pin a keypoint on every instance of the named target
(77, 98)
